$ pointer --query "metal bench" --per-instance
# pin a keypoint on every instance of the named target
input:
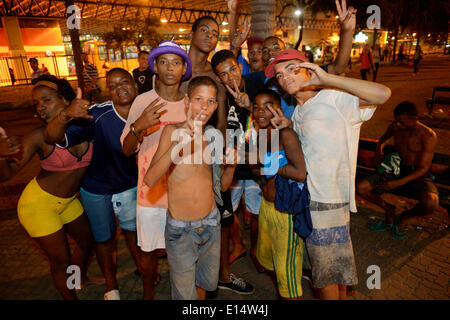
(437, 99)
(440, 168)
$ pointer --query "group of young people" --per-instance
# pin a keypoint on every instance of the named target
(152, 160)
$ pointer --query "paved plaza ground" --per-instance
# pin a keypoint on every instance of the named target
(414, 268)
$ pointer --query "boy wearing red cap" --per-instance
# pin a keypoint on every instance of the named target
(328, 122)
(141, 134)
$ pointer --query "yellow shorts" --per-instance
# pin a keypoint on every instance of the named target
(41, 213)
(280, 248)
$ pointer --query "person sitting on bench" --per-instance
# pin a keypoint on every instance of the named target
(415, 144)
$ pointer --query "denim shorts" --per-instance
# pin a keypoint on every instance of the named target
(102, 210)
(252, 193)
(193, 252)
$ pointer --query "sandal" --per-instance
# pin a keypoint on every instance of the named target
(399, 233)
(381, 226)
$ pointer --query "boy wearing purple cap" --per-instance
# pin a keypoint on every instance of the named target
(150, 112)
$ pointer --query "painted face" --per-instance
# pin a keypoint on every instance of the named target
(122, 88)
(205, 36)
(261, 112)
(255, 56)
(291, 76)
(203, 103)
(228, 72)
(405, 122)
(48, 102)
(143, 61)
(170, 68)
(271, 48)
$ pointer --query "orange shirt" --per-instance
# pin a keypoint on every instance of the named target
(366, 62)
(155, 197)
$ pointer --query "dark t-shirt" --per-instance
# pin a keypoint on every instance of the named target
(143, 79)
(237, 118)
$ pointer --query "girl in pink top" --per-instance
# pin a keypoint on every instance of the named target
(48, 206)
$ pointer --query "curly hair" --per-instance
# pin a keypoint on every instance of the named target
(64, 88)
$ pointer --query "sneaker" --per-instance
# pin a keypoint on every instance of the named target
(307, 274)
(112, 295)
(237, 285)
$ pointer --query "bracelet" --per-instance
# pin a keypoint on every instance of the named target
(133, 131)
(64, 121)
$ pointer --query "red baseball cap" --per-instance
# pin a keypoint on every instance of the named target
(250, 41)
(286, 55)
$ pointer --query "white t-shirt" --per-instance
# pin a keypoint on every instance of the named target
(328, 126)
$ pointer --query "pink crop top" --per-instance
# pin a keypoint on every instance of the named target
(61, 159)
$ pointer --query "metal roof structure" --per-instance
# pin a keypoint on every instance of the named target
(99, 16)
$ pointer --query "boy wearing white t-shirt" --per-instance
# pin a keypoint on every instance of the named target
(328, 123)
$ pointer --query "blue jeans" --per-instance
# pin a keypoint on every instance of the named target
(253, 195)
(193, 253)
(102, 210)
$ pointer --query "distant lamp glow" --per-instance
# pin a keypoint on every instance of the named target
(393, 38)
(163, 20)
(225, 23)
(299, 27)
(414, 34)
(181, 29)
(337, 17)
(298, 12)
(225, 30)
(361, 37)
(308, 48)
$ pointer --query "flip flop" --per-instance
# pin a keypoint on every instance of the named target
(396, 232)
(381, 226)
(232, 260)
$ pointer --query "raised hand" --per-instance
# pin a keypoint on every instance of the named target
(347, 17)
(9, 146)
(240, 36)
(78, 108)
(150, 116)
(318, 76)
(241, 98)
(232, 5)
(279, 120)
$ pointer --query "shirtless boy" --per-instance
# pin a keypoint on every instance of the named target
(415, 143)
(192, 231)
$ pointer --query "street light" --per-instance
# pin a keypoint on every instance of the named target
(163, 20)
(298, 12)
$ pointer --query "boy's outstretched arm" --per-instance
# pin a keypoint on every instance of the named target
(347, 18)
(162, 160)
(369, 93)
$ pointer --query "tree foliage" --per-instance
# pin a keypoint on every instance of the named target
(134, 32)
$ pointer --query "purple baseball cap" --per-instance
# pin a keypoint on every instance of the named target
(170, 47)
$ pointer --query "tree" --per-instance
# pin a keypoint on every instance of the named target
(135, 32)
(312, 6)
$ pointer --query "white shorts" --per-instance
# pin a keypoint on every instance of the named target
(150, 225)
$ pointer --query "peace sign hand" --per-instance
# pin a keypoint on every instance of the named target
(241, 98)
(279, 120)
(347, 17)
(240, 36)
(150, 116)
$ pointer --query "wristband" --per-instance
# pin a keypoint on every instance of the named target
(133, 131)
